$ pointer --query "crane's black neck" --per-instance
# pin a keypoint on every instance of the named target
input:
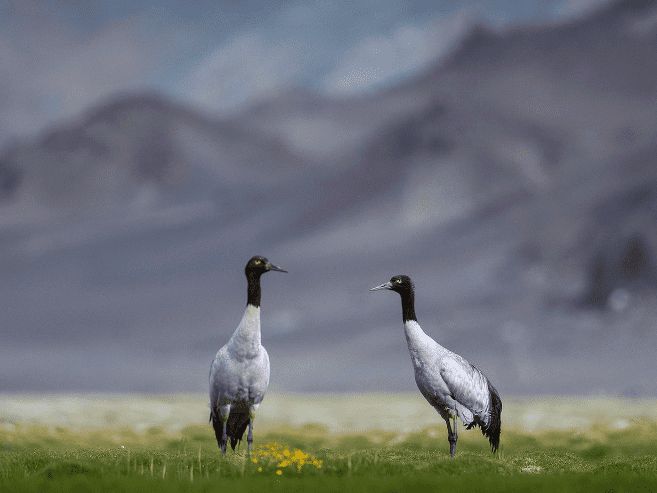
(253, 293)
(408, 305)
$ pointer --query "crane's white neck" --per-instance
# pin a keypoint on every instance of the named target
(414, 333)
(246, 338)
(420, 345)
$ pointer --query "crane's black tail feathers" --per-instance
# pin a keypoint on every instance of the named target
(237, 423)
(218, 427)
(235, 427)
(494, 428)
(492, 431)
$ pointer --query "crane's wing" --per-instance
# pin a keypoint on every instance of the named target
(221, 381)
(478, 402)
(468, 387)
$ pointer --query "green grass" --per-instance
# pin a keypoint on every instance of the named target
(601, 458)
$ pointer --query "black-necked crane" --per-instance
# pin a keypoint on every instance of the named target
(239, 374)
(454, 387)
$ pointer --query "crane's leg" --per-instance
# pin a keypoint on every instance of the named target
(456, 437)
(451, 437)
(249, 436)
(224, 412)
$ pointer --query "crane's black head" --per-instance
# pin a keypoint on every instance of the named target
(259, 265)
(256, 267)
(404, 286)
(401, 284)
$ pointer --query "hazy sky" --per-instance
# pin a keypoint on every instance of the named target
(58, 57)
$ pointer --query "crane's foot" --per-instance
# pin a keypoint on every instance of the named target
(452, 446)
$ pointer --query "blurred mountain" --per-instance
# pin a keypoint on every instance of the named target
(145, 152)
(515, 180)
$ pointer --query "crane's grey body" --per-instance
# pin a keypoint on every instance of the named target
(239, 374)
(447, 381)
(454, 387)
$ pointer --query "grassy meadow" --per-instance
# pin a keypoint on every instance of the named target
(373, 442)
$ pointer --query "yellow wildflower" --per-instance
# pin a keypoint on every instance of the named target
(282, 457)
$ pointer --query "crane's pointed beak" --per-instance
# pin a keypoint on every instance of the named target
(275, 268)
(385, 285)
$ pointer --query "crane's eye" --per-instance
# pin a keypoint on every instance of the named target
(257, 262)
(398, 281)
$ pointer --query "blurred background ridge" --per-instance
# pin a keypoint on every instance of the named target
(501, 153)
